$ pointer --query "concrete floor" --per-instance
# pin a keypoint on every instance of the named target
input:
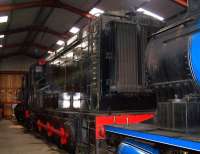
(15, 140)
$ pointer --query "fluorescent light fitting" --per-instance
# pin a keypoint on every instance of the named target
(50, 52)
(60, 42)
(3, 19)
(1, 46)
(74, 30)
(72, 39)
(60, 49)
(96, 12)
(70, 55)
(149, 13)
(2, 36)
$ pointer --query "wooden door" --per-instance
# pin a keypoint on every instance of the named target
(10, 86)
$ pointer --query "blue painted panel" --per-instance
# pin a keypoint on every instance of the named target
(194, 54)
(132, 147)
(175, 142)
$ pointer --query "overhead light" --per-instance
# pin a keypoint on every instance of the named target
(2, 36)
(83, 45)
(50, 52)
(60, 42)
(57, 62)
(85, 33)
(1, 46)
(96, 12)
(149, 13)
(72, 39)
(3, 19)
(70, 55)
(74, 30)
(60, 49)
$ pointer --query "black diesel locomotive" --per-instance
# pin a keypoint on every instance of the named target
(103, 76)
(100, 80)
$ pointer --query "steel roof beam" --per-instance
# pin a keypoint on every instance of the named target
(10, 55)
(45, 3)
(15, 54)
(37, 45)
(35, 28)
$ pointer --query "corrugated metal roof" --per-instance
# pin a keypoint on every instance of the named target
(16, 38)
(23, 17)
(61, 20)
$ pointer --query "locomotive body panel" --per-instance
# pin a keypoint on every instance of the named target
(175, 65)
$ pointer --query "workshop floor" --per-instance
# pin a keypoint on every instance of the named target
(15, 140)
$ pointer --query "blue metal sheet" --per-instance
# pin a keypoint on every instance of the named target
(179, 143)
(133, 147)
(194, 54)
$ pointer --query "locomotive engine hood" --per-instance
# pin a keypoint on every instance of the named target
(173, 57)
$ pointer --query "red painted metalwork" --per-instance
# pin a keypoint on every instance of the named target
(42, 47)
(53, 131)
(122, 119)
(45, 3)
(26, 114)
(42, 61)
(36, 28)
(182, 2)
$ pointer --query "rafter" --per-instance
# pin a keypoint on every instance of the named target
(45, 3)
(28, 44)
(40, 19)
(10, 55)
(15, 54)
(35, 28)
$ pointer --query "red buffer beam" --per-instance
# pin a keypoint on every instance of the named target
(45, 3)
(35, 28)
(123, 119)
